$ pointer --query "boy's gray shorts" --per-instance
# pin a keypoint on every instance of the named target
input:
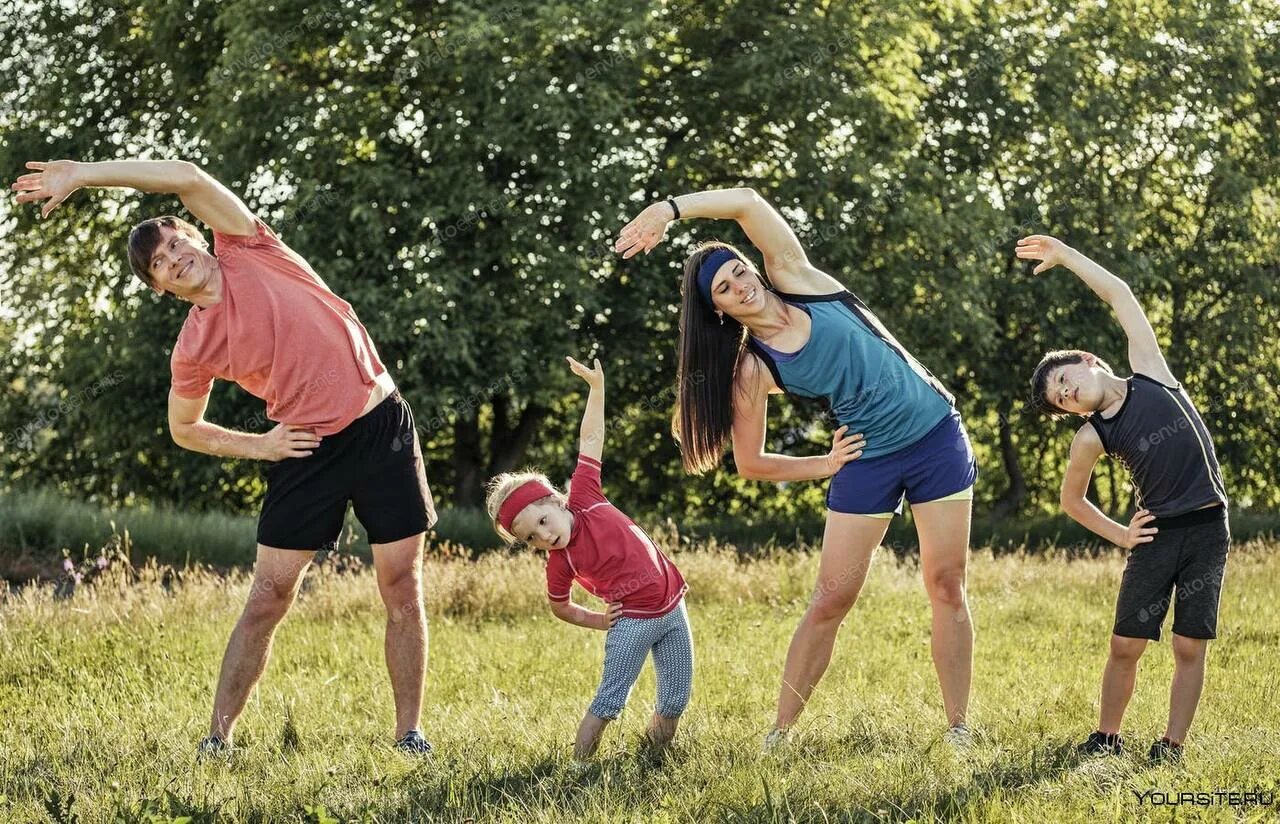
(1183, 566)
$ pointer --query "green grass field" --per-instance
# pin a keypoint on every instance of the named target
(105, 694)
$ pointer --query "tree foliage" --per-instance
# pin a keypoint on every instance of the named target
(457, 170)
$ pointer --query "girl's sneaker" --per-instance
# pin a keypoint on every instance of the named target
(775, 741)
(1101, 743)
(414, 744)
(1164, 751)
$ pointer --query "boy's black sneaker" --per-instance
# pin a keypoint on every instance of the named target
(414, 744)
(212, 747)
(1165, 751)
(1101, 743)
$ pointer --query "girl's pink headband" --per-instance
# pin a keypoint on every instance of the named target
(525, 494)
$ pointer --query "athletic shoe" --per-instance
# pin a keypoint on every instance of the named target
(959, 736)
(212, 747)
(1101, 743)
(775, 741)
(414, 744)
(1164, 751)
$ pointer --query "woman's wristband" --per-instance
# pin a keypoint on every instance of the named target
(674, 208)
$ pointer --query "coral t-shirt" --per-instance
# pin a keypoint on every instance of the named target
(609, 555)
(281, 334)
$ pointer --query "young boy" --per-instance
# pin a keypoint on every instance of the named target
(589, 540)
(1178, 538)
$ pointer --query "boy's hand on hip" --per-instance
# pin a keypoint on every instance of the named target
(1138, 531)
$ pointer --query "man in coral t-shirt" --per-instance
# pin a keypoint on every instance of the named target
(262, 318)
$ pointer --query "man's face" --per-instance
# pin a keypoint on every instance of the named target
(180, 264)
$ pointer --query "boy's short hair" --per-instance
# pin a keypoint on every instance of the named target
(145, 237)
(500, 488)
(1040, 378)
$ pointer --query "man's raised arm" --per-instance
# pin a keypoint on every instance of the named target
(207, 199)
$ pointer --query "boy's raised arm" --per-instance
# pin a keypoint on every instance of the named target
(1144, 351)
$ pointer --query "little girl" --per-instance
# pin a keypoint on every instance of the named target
(590, 541)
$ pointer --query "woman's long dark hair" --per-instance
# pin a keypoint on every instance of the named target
(709, 353)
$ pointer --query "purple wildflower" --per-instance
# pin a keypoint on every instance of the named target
(102, 562)
(67, 565)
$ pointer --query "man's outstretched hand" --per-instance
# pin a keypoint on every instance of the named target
(52, 181)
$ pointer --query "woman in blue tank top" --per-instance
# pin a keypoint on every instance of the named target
(898, 436)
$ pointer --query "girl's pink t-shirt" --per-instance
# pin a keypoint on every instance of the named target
(609, 555)
(281, 334)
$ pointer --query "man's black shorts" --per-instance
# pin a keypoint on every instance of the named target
(375, 463)
(1189, 553)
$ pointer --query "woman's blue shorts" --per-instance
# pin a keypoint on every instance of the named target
(939, 465)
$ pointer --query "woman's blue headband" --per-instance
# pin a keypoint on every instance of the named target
(707, 271)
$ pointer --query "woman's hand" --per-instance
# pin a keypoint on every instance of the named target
(1048, 250)
(593, 376)
(646, 231)
(1138, 531)
(611, 616)
(53, 182)
(844, 448)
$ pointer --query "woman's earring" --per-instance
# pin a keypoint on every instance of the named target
(721, 314)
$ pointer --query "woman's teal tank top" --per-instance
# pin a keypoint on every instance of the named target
(870, 381)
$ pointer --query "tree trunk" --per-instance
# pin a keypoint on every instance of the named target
(508, 444)
(1117, 502)
(468, 459)
(473, 464)
(1091, 493)
(1011, 500)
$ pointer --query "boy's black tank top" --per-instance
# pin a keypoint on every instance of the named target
(1160, 438)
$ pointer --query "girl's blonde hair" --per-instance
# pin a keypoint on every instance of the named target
(500, 488)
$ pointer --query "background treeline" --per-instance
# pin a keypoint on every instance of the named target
(457, 171)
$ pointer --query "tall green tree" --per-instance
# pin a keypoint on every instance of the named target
(457, 172)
